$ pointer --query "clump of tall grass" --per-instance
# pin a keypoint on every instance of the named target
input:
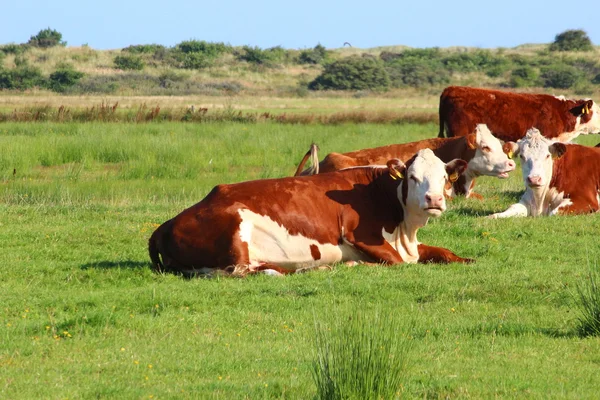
(588, 302)
(360, 356)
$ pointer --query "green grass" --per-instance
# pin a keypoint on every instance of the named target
(82, 316)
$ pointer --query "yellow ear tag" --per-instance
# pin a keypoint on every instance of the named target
(396, 175)
(510, 154)
(587, 110)
(453, 177)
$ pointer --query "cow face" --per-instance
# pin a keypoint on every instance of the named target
(492, 158)
(426, 179)
(537, 154)
(588, 117)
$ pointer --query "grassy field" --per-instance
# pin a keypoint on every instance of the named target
(82, 316)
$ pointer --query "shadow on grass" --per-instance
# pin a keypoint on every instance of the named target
(125, 264)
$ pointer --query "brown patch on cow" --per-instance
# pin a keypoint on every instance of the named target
(314, 251)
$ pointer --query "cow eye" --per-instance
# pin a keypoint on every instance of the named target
(414, 179)
(547, 155)
(486, 149)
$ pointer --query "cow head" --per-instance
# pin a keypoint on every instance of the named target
(425, 180)
(537, 155)
(492, 157)
(587, 113)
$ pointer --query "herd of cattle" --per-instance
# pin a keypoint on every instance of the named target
(367, 206)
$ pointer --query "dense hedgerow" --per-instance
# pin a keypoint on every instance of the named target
(316, 55)
(22, 77)
(352, 73)
(63, 78)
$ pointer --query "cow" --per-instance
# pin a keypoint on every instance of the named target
(559, 178)
(485, 155)
(509, 115)
(368, 214)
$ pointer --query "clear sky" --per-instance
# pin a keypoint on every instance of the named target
(112, 24)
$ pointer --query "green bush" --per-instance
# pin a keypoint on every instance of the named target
(63, 78)
(13, 48)
(417, 68)
(47, 38)
(525, 76)
(560, 76)
(209, 49)
(129, 62)
(21, 78)
(144, 48)
(316, 55)
(355, 73)
(256, 55)
(196, 60)
(572, 40)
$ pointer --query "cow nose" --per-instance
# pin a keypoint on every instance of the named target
(535, 180)
(510, 164)
(434, 200)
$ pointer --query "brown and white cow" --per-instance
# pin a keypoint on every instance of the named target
(559, 178)
(509, 115)
(369, 214)
(484, 153)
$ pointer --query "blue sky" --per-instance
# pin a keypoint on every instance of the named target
(111, 24)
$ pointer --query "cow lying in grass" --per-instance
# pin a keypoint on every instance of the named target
(484, 153)
(559, 178)
(366, 214)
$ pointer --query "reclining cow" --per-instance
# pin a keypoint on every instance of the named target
(559, 178)
(484, 153)
(509, 115)
(369, 214)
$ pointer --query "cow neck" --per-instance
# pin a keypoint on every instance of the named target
(405, 235)
(464, 183)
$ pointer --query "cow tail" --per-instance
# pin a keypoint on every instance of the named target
(441, 133)
(153, 249)
(312, 153)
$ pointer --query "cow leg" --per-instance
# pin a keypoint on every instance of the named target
(432, 254)
(516, 210)
(383, 253)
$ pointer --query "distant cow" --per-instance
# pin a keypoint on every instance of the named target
(484, 153)
(369, 214)
(509, 115)
(559, 178)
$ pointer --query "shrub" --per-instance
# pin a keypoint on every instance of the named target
(588, 302)
(130, 62)
(355, 72)
(316, 55)
(256, 55)
(144, 48)
(572, 40)
(47, 38)
(63, 78)
(361, 357)
(21, 78)
(417, 68)
(196, 60)
(13, 48)
(207, 48)
(560, 76)
(525, 76)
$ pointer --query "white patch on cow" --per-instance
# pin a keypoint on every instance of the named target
(270, 243)
(537, 164)
(561, 97)
(592, 126)
(405, 246)
(489, 159)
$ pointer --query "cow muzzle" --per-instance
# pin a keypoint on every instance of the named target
(434, 204)
(510, 166)
(534, 181)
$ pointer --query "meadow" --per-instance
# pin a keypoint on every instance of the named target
(82, 315)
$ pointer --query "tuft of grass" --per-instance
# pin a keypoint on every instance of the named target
(361, 356)
(588, 302)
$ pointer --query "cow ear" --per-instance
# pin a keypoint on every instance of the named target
(455, 168)
(472, 140)
(511, 149)
(396, 168)
(557, 149)
(583, 108)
